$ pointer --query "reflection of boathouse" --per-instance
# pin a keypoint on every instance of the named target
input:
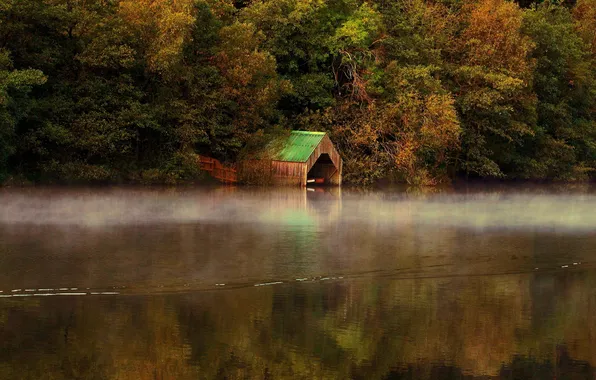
(305, 158)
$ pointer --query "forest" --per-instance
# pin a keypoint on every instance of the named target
(414, 91)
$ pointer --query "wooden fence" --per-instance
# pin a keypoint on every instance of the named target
(217, 170)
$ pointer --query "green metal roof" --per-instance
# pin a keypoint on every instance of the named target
(300, 146)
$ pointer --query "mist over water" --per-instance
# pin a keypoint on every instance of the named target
(476, 210)
(129, 283)
(182, 239)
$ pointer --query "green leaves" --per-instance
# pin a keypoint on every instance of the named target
(20, 81)
(358, 31)
(563, 73)
(15, 86)
(410, 90)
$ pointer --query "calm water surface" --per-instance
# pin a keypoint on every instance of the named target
(288, 284)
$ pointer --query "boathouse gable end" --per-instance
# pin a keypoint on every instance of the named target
(306, 157)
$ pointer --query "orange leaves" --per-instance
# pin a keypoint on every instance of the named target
(585, 14)
(405, 158)
(440, 125)
(493, 36)
(427, 129)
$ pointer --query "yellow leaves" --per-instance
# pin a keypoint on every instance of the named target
(239, 38)
(164, 26)
(493, 36)
(5, 5)
(138, 12)
(585, 14)
(240, 61)
(250, 74)
(440, 126)
(243, 74)
(304, 7)
(429, 128)
(365, 136)
(427, 124)
(434, 20)
(173, 29)
(411, 132)
(405, 159)
(220, 8)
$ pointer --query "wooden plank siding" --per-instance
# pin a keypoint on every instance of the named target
(296, 173)
(291, 167)
(288, 173)
(325, 146)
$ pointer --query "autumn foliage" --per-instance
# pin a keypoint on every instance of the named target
(413, 91)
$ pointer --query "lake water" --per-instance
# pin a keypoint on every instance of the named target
(225, 283)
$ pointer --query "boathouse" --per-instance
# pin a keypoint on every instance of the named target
(307, 158)
(300, 159)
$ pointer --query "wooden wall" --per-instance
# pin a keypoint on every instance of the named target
(289, 173)
(295, 173)
(326, 146)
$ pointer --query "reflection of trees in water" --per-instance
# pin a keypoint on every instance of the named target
(520, 367)
(458, 328)
(102, 339)
(289, 235)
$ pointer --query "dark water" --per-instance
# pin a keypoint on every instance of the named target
(254, 284)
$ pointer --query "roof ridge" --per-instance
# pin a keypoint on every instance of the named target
(309, 132)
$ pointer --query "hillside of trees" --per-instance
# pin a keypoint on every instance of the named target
(417, 91)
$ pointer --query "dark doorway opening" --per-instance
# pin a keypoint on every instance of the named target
(323, 172)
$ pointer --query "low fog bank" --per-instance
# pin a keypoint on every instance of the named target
(295, 207)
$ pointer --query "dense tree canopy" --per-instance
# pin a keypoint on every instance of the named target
(417, 90)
